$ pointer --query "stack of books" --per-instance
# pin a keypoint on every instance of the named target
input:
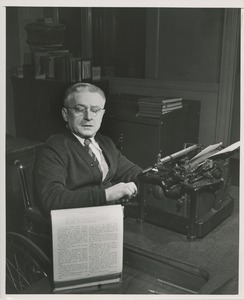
(61, 65)
(50, 60)
(154, 107)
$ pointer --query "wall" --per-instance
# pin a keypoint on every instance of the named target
(190, 44)
(12, 59)
(16, 46)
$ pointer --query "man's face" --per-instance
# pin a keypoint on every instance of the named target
(84, 113)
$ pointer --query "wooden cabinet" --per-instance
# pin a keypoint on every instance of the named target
(144, 138)
(38, 104)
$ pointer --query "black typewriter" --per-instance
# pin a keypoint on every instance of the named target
(188, 191)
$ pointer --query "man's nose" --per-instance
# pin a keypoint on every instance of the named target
(88, 114)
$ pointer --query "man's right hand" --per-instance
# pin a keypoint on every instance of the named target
(121, 190)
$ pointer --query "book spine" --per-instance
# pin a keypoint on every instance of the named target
(171, 108)
(51, 67)
(167, 105)
(148, 115)
(79, 70)
(171, 100)
(159, 100)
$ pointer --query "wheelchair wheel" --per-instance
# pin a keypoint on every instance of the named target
(26, 264)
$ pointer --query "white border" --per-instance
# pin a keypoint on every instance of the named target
(92, 3)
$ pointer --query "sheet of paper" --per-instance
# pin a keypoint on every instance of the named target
(212, 152)
(206, 152)
(87, 245)
(228, 149)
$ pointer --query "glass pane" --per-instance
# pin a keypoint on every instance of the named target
(119, 37)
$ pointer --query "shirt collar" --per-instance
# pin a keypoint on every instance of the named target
(81, 140)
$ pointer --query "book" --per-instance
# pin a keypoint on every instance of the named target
(75, 69)
(171, 108)
(148, 115)
(167, 101)
(86, 69)
(172, 104)
(87, 246)
(51, 64)
(159, 107)
(160, 99)
(153, 107)
(155, 113)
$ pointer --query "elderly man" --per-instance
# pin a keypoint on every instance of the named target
(80, 167)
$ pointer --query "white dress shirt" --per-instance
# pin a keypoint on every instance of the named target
(98, 153)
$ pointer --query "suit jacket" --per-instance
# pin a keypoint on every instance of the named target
(66, 176)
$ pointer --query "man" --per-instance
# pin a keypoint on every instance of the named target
(79, 167)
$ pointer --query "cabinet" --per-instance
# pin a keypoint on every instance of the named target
(37, 105)
(144, 138)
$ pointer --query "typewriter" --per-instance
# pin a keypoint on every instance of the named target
(188, 191)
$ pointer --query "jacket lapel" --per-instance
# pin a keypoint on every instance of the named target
(81, 150)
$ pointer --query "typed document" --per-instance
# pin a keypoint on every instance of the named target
(87, 246)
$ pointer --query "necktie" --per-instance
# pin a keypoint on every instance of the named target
(104, 166)
(89, 150)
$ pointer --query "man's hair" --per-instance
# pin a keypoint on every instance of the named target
(82, 88)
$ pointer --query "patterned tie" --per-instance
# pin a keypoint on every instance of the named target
(104, 168)
(87, 143)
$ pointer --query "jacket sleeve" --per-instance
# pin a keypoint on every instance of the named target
(55, 190)
(127, 170)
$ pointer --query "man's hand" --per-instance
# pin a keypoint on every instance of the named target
(121, 190)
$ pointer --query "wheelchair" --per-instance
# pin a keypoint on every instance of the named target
(28, 236)
(28, 232)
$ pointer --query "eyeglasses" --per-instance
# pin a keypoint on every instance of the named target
(81, 110)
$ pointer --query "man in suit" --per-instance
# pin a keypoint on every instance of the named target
(80, 167)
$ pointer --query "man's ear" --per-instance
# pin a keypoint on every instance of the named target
(64, 114)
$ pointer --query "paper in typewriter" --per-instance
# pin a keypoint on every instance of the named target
(87, 246)
(213, 151)
(205, 153)
(228, 150)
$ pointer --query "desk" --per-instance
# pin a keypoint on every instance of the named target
(208, 254)
(217, 253)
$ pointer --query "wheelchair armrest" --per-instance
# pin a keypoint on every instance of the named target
(36, 221)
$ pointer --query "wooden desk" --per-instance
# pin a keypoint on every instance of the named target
(144, 272)
(205, 256)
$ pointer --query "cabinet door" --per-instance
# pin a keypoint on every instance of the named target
(140, 141)
(145, 138)
(178, 127)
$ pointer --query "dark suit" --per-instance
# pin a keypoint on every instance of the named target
(67, 177)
